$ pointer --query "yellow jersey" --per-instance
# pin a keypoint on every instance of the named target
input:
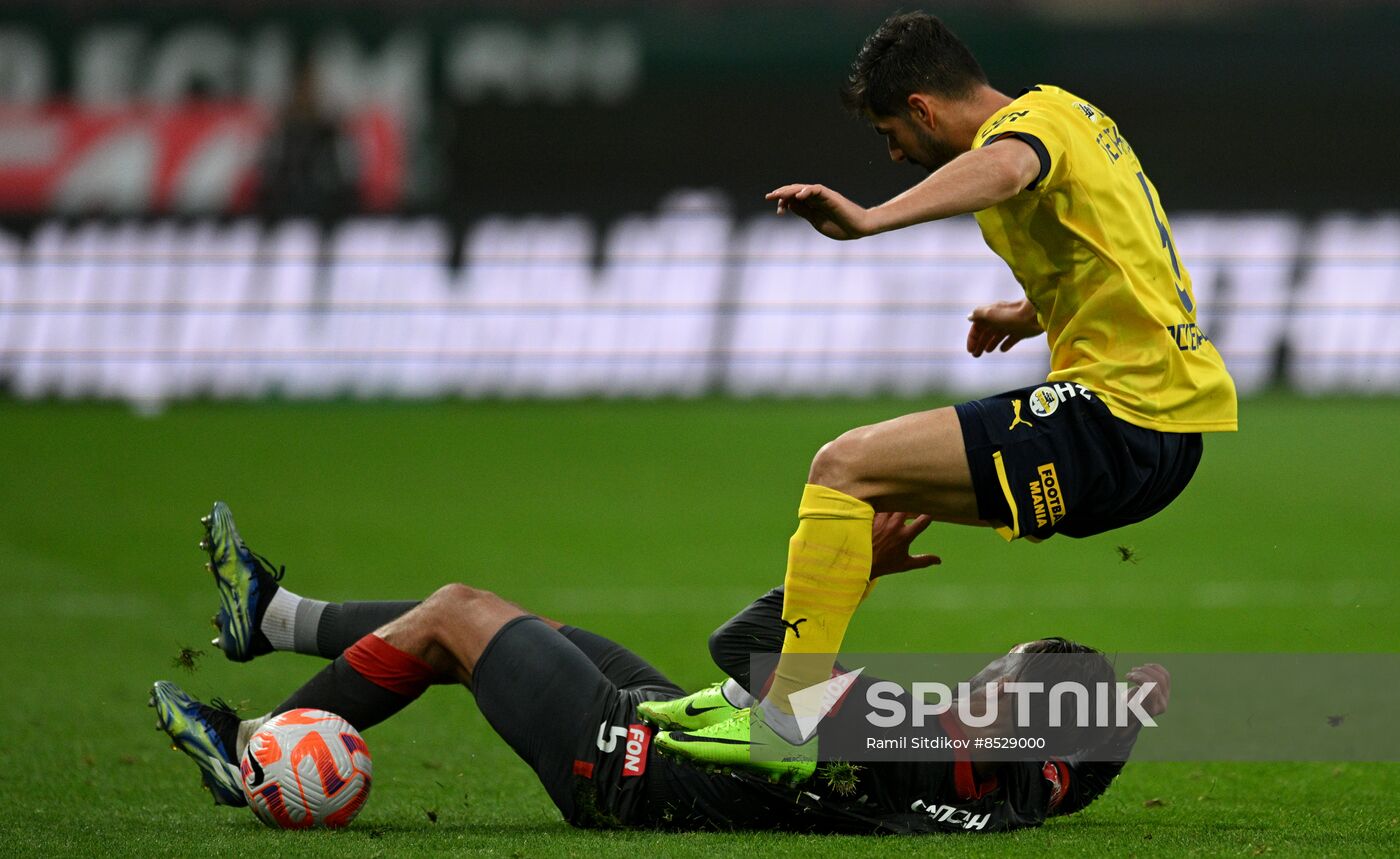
(1090, 244)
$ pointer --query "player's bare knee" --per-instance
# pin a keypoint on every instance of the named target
(443, 614)
(453, 594)
(838, 464)
(452, 601)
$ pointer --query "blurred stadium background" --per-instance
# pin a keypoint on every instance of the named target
(496, 220)
(554, 199)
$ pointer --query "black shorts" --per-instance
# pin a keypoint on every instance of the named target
(1051, 459)
(566, 702)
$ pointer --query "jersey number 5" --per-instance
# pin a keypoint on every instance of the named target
(607, 740)
(1167, 245)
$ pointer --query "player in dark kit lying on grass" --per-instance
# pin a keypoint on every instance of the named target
(567, 701)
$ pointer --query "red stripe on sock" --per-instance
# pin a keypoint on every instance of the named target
(385, 665)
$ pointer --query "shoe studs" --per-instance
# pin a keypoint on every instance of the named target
(206, 519)
(204, 544)
(209, 565)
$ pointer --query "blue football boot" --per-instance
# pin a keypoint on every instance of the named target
(205, 732)
(246, 583)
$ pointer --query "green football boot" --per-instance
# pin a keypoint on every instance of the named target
(246, 583)
(745, 742)
(697, 710)
(205, 732)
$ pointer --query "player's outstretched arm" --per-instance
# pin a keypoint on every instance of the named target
(828, 212)
(969, 183)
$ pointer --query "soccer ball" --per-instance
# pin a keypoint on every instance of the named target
(306, 768)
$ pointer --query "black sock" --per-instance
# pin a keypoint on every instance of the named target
(758, 629)
(342, 624)
(342, 690)
(367, 684)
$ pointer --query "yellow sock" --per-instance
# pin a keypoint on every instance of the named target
(828, 571)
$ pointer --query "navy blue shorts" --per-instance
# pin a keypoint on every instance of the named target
(1051, 459)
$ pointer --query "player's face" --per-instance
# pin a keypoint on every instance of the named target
(912, 141)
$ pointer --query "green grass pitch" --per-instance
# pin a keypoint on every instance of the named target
(651, 523)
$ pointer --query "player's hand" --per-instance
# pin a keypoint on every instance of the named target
(890, 536)
(1155, 704)
(830, 213)
(1001, 324)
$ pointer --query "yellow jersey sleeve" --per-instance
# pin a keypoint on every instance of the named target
(1036, 129)
(1090, 243)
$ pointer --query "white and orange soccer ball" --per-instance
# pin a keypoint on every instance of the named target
(306, 768)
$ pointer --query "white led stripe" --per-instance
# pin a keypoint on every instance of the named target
(676, 303)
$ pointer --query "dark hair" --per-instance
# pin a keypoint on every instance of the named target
(1041, 659)
(1056, 644)
(1052, 660)
(911, 52)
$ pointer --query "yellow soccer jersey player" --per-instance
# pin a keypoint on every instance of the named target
(1110, 437)
(1090, 243)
